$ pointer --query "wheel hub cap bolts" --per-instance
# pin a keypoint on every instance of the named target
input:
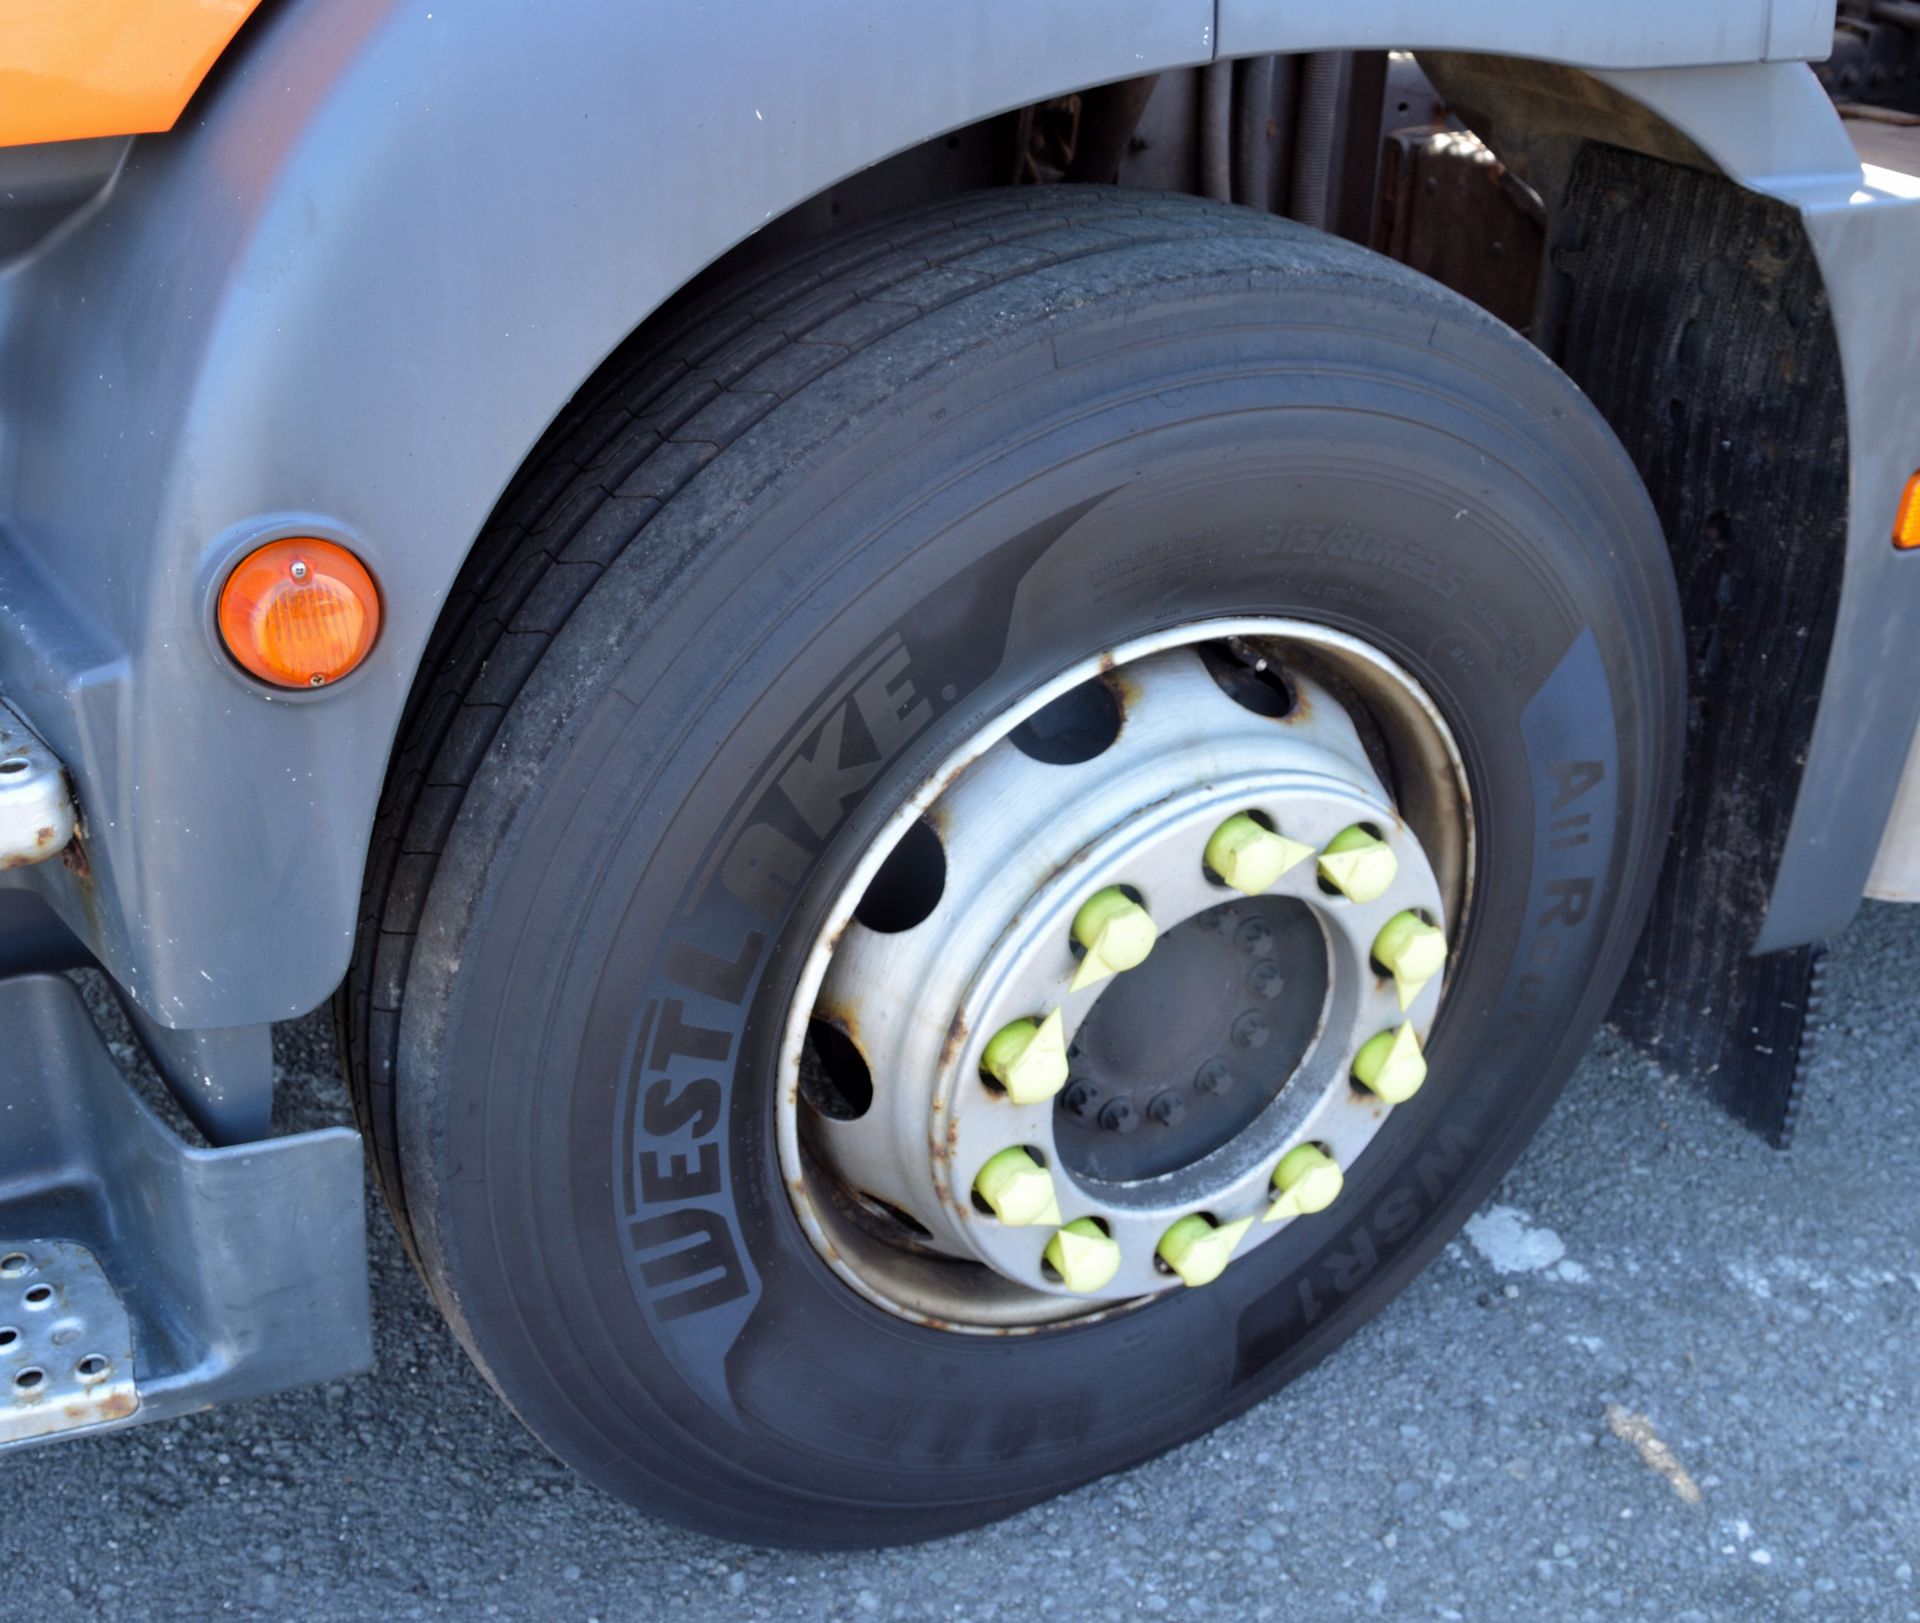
(1412, 951)
(1391, 1066)
(1250, 856)
(1116, 933)
(1199, 1250)
(1029, 1060)
(1083, 1255)
(1306, 1181)
(1017, 1189)
(1358, 865)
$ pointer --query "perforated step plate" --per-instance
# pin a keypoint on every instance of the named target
(66, 1348)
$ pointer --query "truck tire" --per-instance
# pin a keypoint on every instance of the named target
(866, 621)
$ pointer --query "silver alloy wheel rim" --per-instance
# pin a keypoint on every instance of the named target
(887, 1198)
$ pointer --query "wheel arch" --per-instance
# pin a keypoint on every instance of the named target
(379, 255)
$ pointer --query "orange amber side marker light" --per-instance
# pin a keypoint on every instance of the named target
(1906, 518)
(299, 613)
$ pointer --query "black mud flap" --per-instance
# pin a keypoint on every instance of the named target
(1692, 313)
(1746, 1046)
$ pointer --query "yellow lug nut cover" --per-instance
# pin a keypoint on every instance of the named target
(1083, 1255)
(1197, 1250)
(1249, 856)
(1029, 1060)
(1116, 932)
(1412, 951)
(1017, 1189)
(1307, 1180)
(1391, 1066)
(1358, 865)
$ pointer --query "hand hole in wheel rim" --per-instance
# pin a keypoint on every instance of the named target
(1252, 682)
(893, 1214)
(1078, 726)
(908, 886)
(834, 1075)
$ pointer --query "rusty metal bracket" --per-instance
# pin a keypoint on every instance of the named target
(36, 810)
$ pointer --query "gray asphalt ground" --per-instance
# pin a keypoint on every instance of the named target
(1668, 1374)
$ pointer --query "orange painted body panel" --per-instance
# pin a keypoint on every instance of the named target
(76, 68)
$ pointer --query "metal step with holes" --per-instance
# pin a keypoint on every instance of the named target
(66, 1348)
(142, 1277)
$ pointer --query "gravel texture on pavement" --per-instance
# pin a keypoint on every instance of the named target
(1665, 1373)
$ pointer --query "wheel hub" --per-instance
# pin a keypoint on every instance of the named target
(1058, 1063)
(1242, 985)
